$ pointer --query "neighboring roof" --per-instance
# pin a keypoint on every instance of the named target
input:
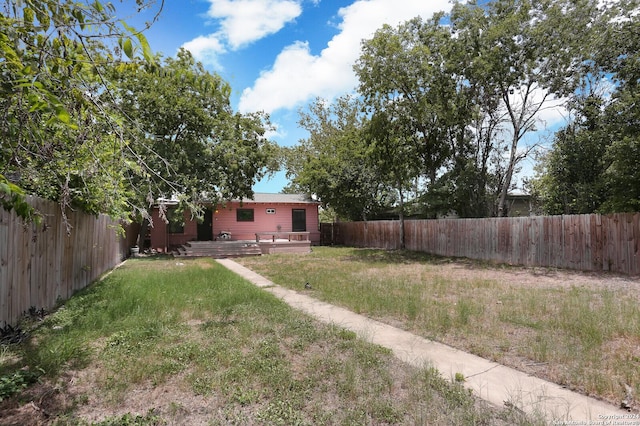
(518, 195)
(261, 197)
(517, 192)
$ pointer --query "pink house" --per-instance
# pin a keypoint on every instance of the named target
(267, 216)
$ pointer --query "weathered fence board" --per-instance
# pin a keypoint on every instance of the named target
(581, 242)
(41, 264)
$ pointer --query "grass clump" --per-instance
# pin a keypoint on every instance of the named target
(162, 342)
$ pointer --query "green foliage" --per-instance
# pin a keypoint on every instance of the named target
(572, 172)
(592, 165)
(14, 383)
(623, 176)
(12, 197)
(409, 87)
(187, 138)
(92, 120)
(333, 162)
(622, 117)
(59, 143)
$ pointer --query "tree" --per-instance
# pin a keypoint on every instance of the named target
(12, 197)
(187, 139)
(571, 172)
(592, 166)
(405, 75)
(333, 163)
(471, 92)
(58, 142)
(465, 94)
(505, 72)
(621, 58)
(393, 156)
(92, 120)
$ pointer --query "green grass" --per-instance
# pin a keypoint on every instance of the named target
(586, 339)
(197, 332)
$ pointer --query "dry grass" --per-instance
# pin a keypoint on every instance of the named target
(162, 341)
(579, 330)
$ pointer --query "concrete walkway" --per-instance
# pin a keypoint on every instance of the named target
(490, 381)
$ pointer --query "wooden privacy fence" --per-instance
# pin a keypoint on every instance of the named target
(40, 265)
(583, 242)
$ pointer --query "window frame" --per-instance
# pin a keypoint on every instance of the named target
(245, 215)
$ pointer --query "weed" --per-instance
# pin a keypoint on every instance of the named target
(13, 383)
(465, 310)
(202, 384)
(149, 419)
(280, 412)
(385, 412)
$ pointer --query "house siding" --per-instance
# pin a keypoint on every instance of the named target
(224, 219)
(162, 239)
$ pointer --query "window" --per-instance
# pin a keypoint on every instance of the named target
(176, 220)
(244, 215)
(271, 211)
(299, 220)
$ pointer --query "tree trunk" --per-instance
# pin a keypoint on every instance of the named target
(144, 227)
(401, 217)
(502, 200)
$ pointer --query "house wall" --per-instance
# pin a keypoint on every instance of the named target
(162, 240)
(518, 207)
(224, 219)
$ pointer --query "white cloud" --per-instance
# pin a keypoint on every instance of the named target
(276, 132)
(245, 21)
(297, 76)
(206, 49)
(552, 109)
(241, 23)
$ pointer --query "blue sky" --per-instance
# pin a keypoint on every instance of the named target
(278, 55)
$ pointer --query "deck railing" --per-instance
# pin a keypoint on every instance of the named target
(290, 236)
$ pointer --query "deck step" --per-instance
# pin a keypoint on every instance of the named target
(217, 249)
(224, 249)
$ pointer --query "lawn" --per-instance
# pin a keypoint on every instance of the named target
(165, 341)
(579, 330)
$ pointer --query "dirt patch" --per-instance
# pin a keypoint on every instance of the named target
(169, 400)
(45, 402)
(48, 403)
(543, 278)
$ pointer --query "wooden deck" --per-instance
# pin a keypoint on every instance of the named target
(218, 249)
(226, 249)
(284, 246)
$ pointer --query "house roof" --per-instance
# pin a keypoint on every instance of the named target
(258, 197)
(261, 197)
